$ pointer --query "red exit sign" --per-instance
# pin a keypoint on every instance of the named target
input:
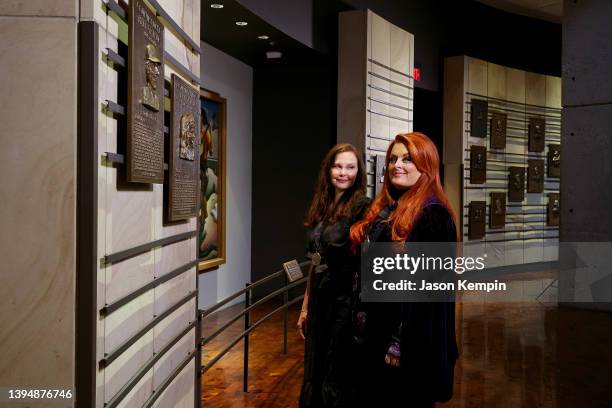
(417, 74)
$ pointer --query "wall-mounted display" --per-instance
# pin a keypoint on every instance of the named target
(145, 108)
(211, 242)
(183, 161)
(553, 207)
(524, 114)
(554, 161)
(497, 210)
(478, 164)
(498, 130)
(537, 127)
(477, 215)
(535, 176)
(478, 118)
(380, 167)
(516, 184)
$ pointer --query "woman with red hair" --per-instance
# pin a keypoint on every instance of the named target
(325, 320)
(410, 348)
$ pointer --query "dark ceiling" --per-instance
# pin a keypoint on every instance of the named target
(219, 29)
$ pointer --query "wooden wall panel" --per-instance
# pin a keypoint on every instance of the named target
(118, 373)
(496, 81)
(535, 89)
(139, 393)
(477, 76)
(385, 107)
(171, 326)
(173, 358)
(180, 393)
(381, 35)
(132, 215)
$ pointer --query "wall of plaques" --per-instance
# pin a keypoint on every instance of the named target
(375, 84)
(146, 350)
(502, 133)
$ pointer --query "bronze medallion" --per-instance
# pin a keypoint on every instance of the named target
(516, 184)
(145, 110)
(498, 130)
(478, 118)
(553, 209)
(476, 216)
(537, 128)
(497, 210)
(381, 168)
(554, 161)
(535, 176)
(183, 163)
(478, 164)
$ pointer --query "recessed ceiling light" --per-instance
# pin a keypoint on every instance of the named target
(274, 54)
(241, 23)
(217, 6)
(262, 37)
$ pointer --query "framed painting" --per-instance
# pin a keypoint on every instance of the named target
(211, 214)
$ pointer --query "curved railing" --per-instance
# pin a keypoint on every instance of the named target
(246, 314)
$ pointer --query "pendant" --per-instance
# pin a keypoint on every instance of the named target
(316, 259)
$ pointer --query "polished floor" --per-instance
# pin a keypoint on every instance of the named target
(512, 355)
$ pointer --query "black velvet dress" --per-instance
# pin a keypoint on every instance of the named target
(329, 370)
(427, 332)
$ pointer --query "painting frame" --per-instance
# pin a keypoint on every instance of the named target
(213, 259)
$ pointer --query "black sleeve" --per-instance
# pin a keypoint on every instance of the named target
(434, 225)
(359, 209)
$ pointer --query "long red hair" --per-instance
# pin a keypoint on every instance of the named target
(322, 207)
(424, 155)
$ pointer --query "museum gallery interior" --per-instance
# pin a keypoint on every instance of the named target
(159, 158)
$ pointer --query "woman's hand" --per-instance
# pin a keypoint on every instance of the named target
(392, 358)
(302, 322)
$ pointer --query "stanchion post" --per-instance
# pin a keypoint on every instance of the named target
(247, 324)
(285, 315)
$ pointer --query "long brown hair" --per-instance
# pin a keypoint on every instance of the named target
(425, 157)
(322, 207)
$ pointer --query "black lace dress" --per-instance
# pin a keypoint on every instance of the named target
(329, 370)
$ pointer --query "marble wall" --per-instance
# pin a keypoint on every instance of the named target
(38, 64)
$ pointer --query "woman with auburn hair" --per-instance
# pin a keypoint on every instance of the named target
(325, 319)
(409, 348)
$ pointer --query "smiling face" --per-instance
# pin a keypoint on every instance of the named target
(344, 171)
(403, 174)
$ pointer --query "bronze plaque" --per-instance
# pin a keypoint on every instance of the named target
(183, 165)
(497, 210)
(537, 128)
(145, 110)
(499, 122)
(476, 224)
(554, 205)
(478, 118)
(478, 164)
(516, 184)
(381, 168)
(554, 161)
(535, 176)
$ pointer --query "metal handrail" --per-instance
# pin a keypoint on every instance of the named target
(212, 362)
(218, 305)
(251, 307)
(248, 307)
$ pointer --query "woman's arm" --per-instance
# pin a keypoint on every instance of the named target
(303, 319)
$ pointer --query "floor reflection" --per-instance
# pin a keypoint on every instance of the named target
(513, 354)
